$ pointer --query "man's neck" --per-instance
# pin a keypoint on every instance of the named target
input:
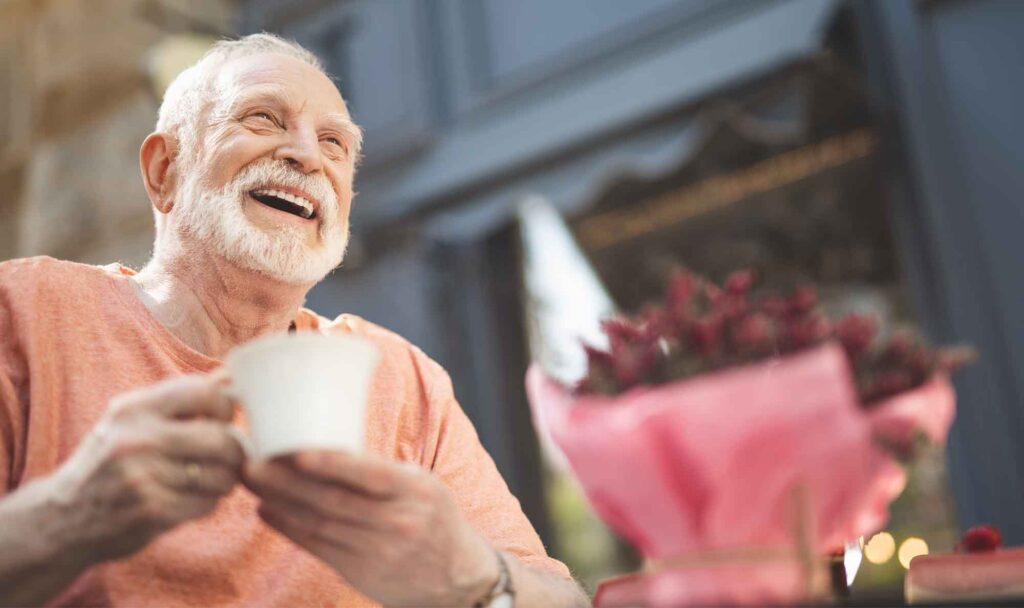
(213, 305)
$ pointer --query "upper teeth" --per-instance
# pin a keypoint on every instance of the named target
(291, 198)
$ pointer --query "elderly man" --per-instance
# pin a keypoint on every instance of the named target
(118, 467)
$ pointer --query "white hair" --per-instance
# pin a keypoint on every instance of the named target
(189, 95)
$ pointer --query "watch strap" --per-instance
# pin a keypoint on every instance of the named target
(502, 588)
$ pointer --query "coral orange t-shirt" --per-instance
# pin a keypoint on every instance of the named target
(72, 336)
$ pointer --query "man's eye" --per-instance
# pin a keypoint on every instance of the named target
(334, 141)
(263, 115)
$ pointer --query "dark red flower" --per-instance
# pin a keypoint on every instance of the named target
(899, 348)
(921, 362)
(705, 334)
(774, 306)
(632, 364)
(734, 308)
(700, 327)
(980, 539)
(713, 294)
(802, 332)
(739, 282)
(754, 332)
(621, 330)
(856, 332)
(803, 300)
(681, 288)
(889, 383)
(655, 324)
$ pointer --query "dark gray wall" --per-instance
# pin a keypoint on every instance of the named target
(946, 77)
(460, 95)
(389, 286)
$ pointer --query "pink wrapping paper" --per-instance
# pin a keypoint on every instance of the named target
(770, 584)
(928, 409)
(710, 463)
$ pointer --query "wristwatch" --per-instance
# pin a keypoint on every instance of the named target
(501, 595)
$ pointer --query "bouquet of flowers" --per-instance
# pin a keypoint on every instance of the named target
(734, 440)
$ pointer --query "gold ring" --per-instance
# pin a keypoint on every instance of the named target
(192, 474)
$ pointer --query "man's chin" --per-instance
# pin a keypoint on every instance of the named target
(279, 252)
(295, 266)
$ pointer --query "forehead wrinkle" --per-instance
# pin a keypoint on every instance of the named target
(233, 91)
(242, 94)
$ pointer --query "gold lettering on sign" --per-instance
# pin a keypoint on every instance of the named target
(616, 226)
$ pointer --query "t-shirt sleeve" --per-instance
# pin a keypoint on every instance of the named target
(8, 405)
(480, 492)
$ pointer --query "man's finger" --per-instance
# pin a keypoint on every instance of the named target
(278, 482)
(306, 524)
(188, 477)
(201, 441)
(364, 473)
(184, 397)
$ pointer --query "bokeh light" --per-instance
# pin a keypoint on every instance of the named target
(911, 548)
(880, 548)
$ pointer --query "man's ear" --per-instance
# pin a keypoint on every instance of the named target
(157, 159)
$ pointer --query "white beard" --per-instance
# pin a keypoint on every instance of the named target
(217, 219)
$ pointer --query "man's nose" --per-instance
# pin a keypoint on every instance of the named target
(301, 150)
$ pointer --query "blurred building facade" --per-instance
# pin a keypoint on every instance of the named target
(899, 123)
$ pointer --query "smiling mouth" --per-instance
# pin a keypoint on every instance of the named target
(285, 201)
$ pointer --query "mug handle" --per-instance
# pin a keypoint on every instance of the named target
(236, 433)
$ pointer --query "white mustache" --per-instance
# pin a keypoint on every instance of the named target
(266, 173)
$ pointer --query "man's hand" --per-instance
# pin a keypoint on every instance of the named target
(160, 455)
(391, 529)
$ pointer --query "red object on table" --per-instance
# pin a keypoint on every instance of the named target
(980, 539)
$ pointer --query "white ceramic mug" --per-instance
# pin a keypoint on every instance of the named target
(303, 390)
